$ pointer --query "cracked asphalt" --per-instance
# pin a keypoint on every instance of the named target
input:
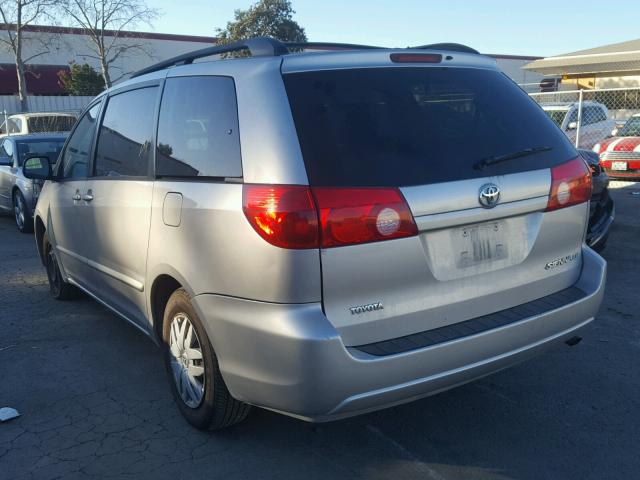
(95, 402)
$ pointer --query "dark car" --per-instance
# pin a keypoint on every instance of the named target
(602, 211)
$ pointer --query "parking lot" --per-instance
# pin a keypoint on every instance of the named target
(95, 401)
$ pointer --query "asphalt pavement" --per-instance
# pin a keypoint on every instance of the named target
(95, 402)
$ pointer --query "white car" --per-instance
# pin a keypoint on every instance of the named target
(26, 123)
(596, 124)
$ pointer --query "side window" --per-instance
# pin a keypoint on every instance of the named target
(7, 149)
(198, 128)
(14, 125)
(75, 159)
(573, 116)
(602, 117)
(126, 134)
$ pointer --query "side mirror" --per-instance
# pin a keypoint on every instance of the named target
(6, 161)
(572, 126)
(37, 168)
(614, 132)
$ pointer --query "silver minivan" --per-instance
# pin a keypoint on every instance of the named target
(323, 234)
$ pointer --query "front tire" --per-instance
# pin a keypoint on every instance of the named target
(58, 287)
(21, 213)
(192, 366)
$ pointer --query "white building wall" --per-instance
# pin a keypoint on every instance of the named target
(513, 68)
(65, 48)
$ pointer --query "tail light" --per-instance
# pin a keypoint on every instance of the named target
(360, 215)
(570, 184)
(323, 217)
(415, 57)
(284, 215)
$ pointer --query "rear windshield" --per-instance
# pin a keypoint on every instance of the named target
(415, 126)
(40, 148)
(51, 123)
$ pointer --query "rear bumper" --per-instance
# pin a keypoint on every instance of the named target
(622, 174)
(289, 358)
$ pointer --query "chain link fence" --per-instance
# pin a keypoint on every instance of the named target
(589, 116)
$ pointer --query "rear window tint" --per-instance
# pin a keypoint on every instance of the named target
(198, 128)
(415, 126)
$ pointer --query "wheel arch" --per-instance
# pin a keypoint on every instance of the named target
(162, 288)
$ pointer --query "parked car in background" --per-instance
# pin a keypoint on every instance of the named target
(298, 233)
(595, 127)
(620, 155)
(19, 194)
(27, 123)
(602, 209)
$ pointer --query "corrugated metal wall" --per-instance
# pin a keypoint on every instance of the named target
(37, 103)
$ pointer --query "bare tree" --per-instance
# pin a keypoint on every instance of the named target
(16, 15)
(105, 22)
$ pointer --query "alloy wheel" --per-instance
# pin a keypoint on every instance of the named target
(187, 364)
(19, 209)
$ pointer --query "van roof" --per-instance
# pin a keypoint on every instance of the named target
(327, 55)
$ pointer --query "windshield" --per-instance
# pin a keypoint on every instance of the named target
(557, 116)
(51, 123)
(631, 128)
(40, 148)
(414, 126)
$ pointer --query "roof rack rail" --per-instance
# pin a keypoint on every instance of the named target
(270, 47)
(258, 47)
(453, 47)
(330, 46)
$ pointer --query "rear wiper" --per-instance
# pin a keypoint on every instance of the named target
(485, 162)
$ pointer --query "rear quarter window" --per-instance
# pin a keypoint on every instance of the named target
(198, 128)
(413, 126)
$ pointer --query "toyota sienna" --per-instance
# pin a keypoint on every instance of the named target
(323, 234)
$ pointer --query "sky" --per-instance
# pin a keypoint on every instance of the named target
(540, 28)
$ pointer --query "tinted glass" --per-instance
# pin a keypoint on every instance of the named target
(198, 128)
(591, 115)
(51, 123)
(413, 126)
(39, 148)
(126, 134)
(75, 159)
(631, 128)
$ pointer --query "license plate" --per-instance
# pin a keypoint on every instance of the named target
(618, 165)
(482, 243)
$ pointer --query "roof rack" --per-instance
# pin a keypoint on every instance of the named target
(330, 46)
(270, 47)
(453, 47)
(258, 47)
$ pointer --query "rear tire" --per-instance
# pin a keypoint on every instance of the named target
(21, 213)
(192, 366)
(58, 287)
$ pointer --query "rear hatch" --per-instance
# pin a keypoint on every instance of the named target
(423, 132)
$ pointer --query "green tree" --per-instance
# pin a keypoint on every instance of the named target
(81, 80)
(267, 18)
